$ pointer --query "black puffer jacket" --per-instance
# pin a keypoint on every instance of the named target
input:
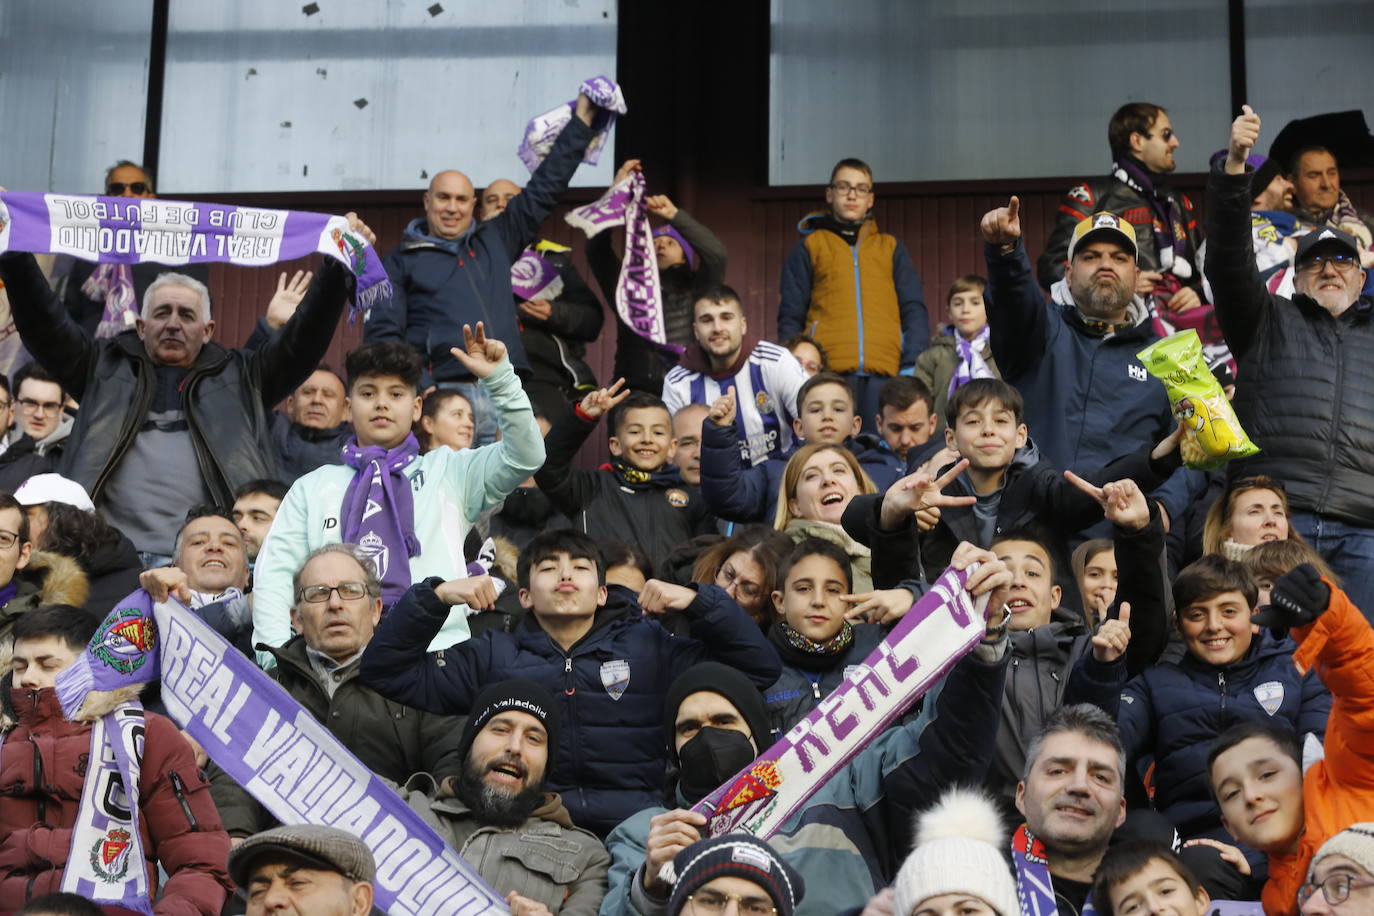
(227, 393)
(1305, 384)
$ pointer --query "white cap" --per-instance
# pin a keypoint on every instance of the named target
(53, 488)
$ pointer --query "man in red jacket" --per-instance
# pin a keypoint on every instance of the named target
(44, 761)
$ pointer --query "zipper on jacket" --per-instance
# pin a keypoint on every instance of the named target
(38, 783)
(1221, 685)
(568, 687)
(179, 789)
(859, 306)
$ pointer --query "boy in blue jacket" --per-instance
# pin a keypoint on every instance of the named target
(608, 665)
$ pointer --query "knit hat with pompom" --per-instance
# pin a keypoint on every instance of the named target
(960, 847)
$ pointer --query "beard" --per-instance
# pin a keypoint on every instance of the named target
(496, 807)
(1102, 301)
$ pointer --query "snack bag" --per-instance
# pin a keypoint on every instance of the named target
(1212, 435)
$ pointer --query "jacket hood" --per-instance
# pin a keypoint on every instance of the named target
(417, 235)
(550, 809)
(49, 578)
(1137, 313)
(211, 356)
(65, 422)
(818, 218)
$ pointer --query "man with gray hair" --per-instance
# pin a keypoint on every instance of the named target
(337, 606)
(170, 418)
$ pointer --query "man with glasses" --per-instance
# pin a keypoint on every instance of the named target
(1341, 880)
(1305, 387)
(337, 606)
(854, 290)
(37, 441)
(734, 869)
(110, 293)
(29, 578)
(1143, 142)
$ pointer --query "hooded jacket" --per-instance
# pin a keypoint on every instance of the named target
(49, 578)
(1088, 397)
(547, 858)
(226, 394)
(857, 827)
(441, 284)
(862, 303)
(610, 685)
(1305, 389)
(1174, 710)
(42, 772)
(26, 458)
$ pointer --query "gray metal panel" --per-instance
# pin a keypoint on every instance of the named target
(262, 96)
(73, 79)
(928, 91)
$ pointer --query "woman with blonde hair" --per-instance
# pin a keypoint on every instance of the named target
(817, 486)
(1253, 510)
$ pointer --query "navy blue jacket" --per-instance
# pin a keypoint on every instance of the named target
(441, 285)
(1088, 399)
(610, 759)
(1173, 710)
(799, 691)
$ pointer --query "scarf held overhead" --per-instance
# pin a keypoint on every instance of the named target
(267, 743)
(543, 130)
(638, 293)
(126, 230)
(925, 644)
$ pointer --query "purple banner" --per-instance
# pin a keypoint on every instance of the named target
(941, 628)
(125, 230)
(543, 129)
(269, 744)
(533, 277)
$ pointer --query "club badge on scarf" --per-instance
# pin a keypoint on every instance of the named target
(533, 277)
(120, 230)
(378, 512)
(1034, 887)
(941, 628)
(267, 743)
(543, 130)
(638, 296)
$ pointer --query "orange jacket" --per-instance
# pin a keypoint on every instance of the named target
(1339, 790)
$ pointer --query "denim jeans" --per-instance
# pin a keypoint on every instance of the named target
(483, 411)
(1349, 549)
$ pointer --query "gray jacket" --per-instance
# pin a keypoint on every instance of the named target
(546, 859)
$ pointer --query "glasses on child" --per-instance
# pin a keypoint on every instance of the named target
(348, 591)
(844, 189)
(116, 188)
(1336, 888)
(710, 903)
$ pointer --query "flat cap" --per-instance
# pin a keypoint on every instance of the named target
(328, 847)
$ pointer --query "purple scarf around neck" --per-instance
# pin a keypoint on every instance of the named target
(378, 511)
(1165, 210)
(971, 362)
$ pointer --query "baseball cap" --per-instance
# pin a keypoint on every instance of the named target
(1318, 236)
(327, 847)
(53, 488)
(1105, 224)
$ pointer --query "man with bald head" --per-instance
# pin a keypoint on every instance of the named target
(450, 269)
(558, 313)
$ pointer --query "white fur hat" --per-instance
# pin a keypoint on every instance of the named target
(960, 847)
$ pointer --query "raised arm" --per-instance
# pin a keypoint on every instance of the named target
(710, 249)
(1016, 307)
(45, 326)
(732, 492)
(287, 358)
(518, 224)
(571, 489)
(721, 630)
(1239, 295)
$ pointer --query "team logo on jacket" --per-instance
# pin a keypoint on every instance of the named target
(1270, 696)
(763, 402)
(124, 640)
(676, 498)
(615, 677)
(110, 855)
(1082, 193)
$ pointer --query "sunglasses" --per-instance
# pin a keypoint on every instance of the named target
(116, 188)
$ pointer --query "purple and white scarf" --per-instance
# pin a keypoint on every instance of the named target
(112, 284)
(267, 743)
(971, 362)
(1170, 242)
(533, 277)
(543, 130)
(1034, 886)
(107, 863)
(638, 294)
(126, 230)
(378, 512)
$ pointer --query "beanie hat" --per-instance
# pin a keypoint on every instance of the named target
(1265, 173)
(713, 677)
(687, 249)
(520, 695)
(1355, 842)
(736, 855)
(960, 847)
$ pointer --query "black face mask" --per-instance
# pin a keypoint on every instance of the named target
(709, 758)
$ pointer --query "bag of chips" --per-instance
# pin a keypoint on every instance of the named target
(1212, 435)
